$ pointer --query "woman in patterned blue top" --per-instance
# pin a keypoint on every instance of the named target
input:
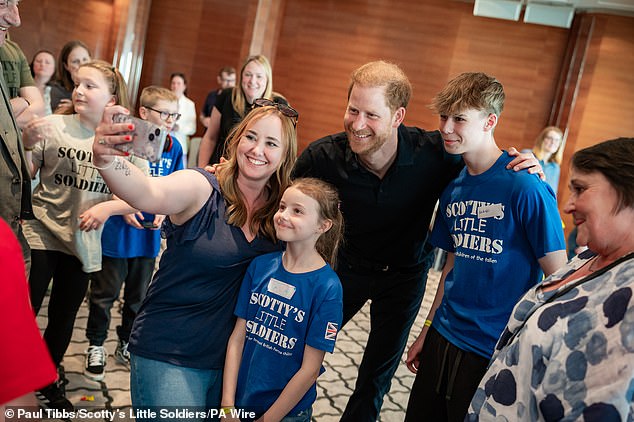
(568, 349)
(215, 226)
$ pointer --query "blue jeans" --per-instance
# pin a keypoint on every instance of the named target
(160, 385)
(303, 416)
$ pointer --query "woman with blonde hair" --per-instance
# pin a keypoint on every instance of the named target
(255, 80)
(549, 150)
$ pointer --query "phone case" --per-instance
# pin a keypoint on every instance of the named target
(148, 139)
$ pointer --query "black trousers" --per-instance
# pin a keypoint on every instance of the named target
(105, 286)
(446, 381)
(395, 300)
(69, 289)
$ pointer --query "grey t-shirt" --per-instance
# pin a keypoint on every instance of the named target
(69, 185)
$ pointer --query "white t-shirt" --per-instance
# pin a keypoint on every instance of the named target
(187, 122)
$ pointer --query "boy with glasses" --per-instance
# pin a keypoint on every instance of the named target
(130, 245)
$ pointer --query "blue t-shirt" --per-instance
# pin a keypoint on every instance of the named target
(121, 240)
(284, 312)
(187, 315)
(498, 224)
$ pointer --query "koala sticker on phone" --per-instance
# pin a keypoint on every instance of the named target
(148, 139)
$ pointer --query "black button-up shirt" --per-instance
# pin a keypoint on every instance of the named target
(386, 220)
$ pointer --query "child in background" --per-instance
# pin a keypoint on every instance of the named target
(130, 244)
(71, 203)
(289, 310)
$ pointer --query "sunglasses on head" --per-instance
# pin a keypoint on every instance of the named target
(286, 110)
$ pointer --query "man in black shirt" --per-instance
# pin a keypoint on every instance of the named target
(226, 79)
(389, 178)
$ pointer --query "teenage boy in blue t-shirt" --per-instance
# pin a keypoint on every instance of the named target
(130, 245)
(501, 229)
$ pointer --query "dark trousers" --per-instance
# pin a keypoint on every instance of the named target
(105, 286)
(396, 297)
(446, 381)
(69, 288)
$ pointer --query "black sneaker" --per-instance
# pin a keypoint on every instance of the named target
(121, 354)
(95, 362)
(52, 397)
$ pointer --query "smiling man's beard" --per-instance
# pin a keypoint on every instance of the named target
(368, 147)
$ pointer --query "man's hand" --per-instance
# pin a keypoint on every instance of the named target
(212, 167)
(525, 160)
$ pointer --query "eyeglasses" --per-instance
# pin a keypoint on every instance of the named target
(164, 115)
(286, 110)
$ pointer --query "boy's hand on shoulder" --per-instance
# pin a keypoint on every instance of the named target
(525, 161)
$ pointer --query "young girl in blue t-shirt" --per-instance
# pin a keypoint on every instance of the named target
(289, 311)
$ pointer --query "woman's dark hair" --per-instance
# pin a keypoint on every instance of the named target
(33, 60)
(614, 159)
(182, 76)
(63, 74)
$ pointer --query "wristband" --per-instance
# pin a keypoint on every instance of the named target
(428, 323)
(107, 166)
(227, 409)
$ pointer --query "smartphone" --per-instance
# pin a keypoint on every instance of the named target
(148, 224)
(148, 139)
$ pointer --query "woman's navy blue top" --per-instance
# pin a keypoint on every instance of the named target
(187, 316)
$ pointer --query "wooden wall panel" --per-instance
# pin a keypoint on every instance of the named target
(525, 58)
(195, 37)
(46, 24)
(611, 86)
(323, 41)
(605, 104)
